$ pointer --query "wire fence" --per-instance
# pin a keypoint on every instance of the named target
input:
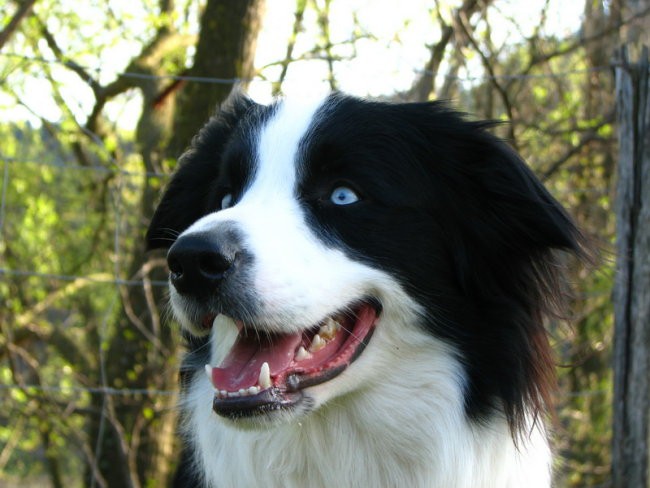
(236, 80)
(88, 389)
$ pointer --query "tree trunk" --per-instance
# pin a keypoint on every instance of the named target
(225, 52)
(632, 291)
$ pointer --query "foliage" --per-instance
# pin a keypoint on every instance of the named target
(92, 129)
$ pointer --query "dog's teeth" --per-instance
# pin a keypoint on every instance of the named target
(208, 371)
(253, 390)
(325, 331)
(329, 329)
(302, 354)
(317, 343)
(265, 377)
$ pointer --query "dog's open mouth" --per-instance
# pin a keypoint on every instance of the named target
(266, 372)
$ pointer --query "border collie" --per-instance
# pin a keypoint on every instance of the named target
(364, 285)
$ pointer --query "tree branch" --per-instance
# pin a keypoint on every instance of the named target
(587, 137)
(580, 42)
(487, 64)
(423, 87)
(72, 65)
(24, 9)
(298, 16)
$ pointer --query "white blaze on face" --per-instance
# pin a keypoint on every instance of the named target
(298, 279)
(278, 146)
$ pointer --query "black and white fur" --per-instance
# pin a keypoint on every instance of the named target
(439, 222)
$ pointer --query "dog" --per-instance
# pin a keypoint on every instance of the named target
(363, 288)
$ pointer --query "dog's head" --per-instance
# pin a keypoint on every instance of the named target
(301, 233)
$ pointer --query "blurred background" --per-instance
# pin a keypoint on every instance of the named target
(99, 98)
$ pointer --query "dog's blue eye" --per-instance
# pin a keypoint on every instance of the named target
(226, 201)
(343, 195)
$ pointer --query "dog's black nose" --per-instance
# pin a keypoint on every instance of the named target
(197, 264)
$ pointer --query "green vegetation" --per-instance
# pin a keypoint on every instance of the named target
(92, 125)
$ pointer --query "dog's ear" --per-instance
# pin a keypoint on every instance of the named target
(518, 212)
(186, 196)
(517, 222)
(504, 207)
(502, 230)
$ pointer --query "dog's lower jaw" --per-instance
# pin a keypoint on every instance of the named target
(370, 433)
(273, 416)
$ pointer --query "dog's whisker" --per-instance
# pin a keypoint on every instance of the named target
(360, 339)
(170, 231)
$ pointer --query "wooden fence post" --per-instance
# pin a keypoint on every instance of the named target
(630, 453)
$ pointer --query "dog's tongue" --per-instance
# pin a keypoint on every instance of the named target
(241, 368)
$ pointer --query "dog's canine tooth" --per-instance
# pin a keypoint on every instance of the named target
(317, 343)
(302, 354)
(265, 376)
(223, 322)
(208, 371)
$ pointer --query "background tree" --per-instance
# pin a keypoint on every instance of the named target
(101, 99)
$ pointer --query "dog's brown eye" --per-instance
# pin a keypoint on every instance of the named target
(226, 201)
(343, 195)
